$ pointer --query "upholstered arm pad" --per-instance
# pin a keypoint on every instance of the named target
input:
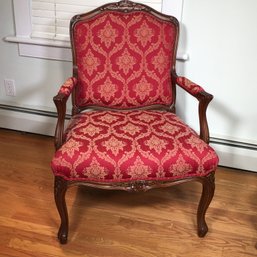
(189, 86)
(60, 101)
(67, 87)
(204, 99)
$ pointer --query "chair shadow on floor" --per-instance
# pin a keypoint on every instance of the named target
(85, 202)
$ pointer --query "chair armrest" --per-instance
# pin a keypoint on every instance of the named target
(204, 99)
(60, 102)
(189, 86)
(68, 86)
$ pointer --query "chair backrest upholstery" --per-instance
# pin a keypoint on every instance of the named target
(123, 54)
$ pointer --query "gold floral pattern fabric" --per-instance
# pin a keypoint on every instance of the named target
(189, 86)
(68, 86)
(111, 146)
(124, 60)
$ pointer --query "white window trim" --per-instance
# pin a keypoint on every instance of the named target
(57, 49)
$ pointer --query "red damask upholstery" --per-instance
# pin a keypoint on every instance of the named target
(67, 87)
(124, 133)
(132, 145)
(189, 86)
(122, 60)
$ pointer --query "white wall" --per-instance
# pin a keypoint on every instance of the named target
(37, 80)
(220, 38)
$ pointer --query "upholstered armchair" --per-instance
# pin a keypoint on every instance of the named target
(124, 133)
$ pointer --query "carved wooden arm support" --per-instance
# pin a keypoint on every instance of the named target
(204, 99)
(60, 102)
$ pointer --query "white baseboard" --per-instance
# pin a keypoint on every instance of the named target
(236, 157)
(231, 153)
(27, 122)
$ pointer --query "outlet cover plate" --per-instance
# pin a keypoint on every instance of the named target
(9, 85)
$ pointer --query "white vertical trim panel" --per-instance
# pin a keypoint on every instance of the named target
(22, 13)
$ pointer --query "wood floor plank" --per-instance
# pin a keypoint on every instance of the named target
(160, 222)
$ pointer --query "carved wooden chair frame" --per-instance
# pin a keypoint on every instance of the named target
(61, 185)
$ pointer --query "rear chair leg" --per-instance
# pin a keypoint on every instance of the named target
(60, 188)
(208, 184)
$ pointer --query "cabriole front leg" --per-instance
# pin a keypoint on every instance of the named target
(208, 184)
(60, 188)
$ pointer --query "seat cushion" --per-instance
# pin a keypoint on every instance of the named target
(109, 146)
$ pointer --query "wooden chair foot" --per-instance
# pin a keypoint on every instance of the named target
(207, 195)
(202, 231)
(63, 235)
(60, 188)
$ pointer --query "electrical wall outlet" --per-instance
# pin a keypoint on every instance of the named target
(10, 89)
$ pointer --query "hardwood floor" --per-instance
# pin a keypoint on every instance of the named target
(158, 223)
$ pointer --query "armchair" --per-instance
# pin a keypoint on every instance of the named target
(124, 133)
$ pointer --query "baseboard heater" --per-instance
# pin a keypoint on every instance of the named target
(31, 111)
(233, 143)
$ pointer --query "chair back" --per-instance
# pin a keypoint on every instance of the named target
(123, 56)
